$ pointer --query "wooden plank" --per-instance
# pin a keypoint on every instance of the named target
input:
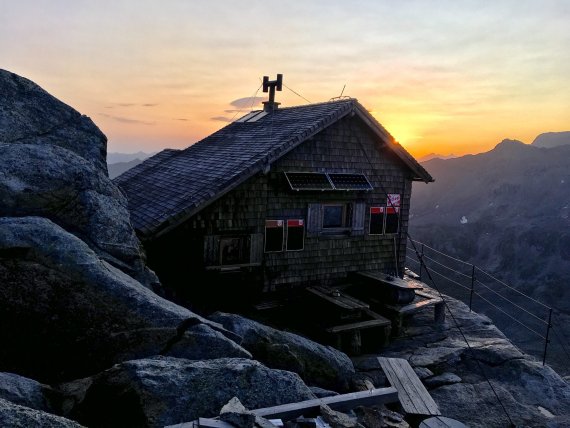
(414, 397)
(441, 422)
(213, 423)
(358, 326)
(341, 403)
(193, 424)
(414, 385)
(343, 301)
(383, 278)
(412, 307)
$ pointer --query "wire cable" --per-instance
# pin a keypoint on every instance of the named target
(443, 254)
(251, 106)
(296, 93)
(447, 267)
(512, 303)
(560, 340)
(512, 288)
(510, 316)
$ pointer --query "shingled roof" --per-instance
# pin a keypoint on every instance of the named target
(173, 185)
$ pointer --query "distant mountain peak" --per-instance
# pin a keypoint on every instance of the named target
(507, 144)
(552, 139)
(431, 156)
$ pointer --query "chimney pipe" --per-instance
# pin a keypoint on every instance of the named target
(271, 86)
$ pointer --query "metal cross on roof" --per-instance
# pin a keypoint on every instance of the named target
(271, 85)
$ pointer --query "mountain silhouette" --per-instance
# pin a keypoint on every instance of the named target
(506, 211)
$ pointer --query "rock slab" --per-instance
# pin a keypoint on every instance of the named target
(163, 391)
(85, 314)
(317, 364)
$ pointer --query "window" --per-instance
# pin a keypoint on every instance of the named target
(377, 215)
(392, 220)
(234, 250)
(384, 220)
(336, 216)
(244, 249)
(295, 234)
(273, 235)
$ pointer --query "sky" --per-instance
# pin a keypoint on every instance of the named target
(453, 76)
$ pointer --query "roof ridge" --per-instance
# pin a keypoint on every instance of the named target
(331, 101)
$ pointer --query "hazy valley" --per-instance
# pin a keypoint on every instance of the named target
(508, 212)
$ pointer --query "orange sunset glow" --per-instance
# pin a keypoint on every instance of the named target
(441, 76)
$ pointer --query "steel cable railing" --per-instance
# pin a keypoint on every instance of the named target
(446, 268)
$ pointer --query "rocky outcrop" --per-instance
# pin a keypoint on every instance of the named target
(25, 392)
(29, 115)
(65, 313)
(163, 391)
(52, 164)
(14, 415)
(316, 364)
(56, 183)
(532, 394)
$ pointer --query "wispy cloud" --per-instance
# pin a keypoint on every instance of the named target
(247, 102)
(126, 119)
(181, 119)
(220, 119)
(113, 105)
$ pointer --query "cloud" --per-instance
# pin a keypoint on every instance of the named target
(247, 102)
(181, 119)
(220, 119)
(132, 105)
(126, 119)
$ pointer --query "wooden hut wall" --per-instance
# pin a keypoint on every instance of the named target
(347, 146)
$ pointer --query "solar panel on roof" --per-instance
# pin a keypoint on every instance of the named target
(350, 181)
(308, 181)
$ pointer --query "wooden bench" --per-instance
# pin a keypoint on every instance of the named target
(423, 298)
(352, 333)
(414, 397)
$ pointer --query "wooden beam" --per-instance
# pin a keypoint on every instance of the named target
(414, 397)
(213, 423)
(341, 403)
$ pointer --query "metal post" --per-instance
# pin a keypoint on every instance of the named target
(472, 287)
(546, 340)
(421, 262)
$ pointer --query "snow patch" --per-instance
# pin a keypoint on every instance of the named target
(545, 412)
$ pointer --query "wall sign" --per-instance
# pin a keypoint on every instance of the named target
(393, 200)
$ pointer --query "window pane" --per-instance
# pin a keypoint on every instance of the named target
(332, 216)
(234, 250)
(273, 235)
(295, 234)
(376, 220)
(392, 220)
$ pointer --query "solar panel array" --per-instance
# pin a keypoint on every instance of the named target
(309, 181)
(350, 181)
(327, 181)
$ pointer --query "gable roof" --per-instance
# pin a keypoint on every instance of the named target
(173, 185)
